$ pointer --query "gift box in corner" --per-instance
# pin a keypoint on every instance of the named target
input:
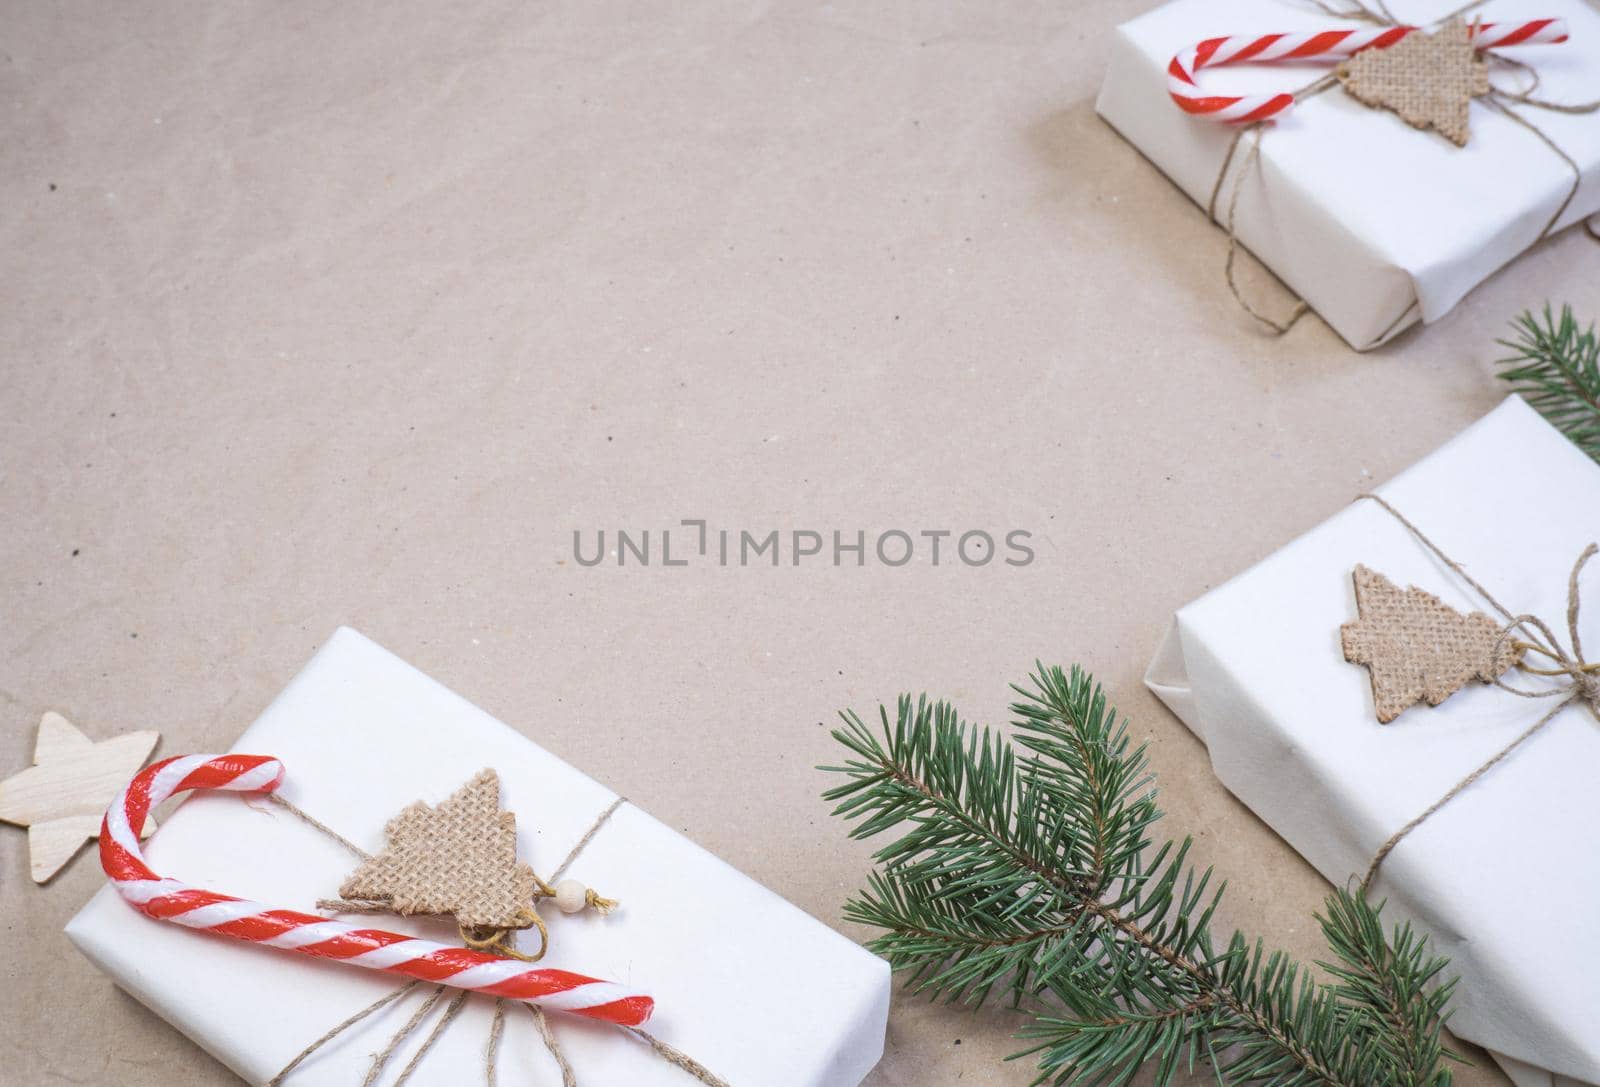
(1501, 877)
(1376, 224)
(745, 984)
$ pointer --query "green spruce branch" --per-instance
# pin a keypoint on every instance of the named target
(1026, 867)
(1555, 366)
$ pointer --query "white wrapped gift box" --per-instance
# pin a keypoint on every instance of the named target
(1504, 878)
(757, 991)
(1374, 223)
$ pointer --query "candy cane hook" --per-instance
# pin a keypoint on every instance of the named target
(308, 934)
(1324, 45)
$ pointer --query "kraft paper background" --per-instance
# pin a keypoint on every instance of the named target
(320, 317)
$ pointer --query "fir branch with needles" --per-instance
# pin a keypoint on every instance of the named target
(1555, 367)
(1026, 866)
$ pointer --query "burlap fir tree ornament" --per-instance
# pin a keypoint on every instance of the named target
(1417, 647)
(1430, 80)
(458, 859)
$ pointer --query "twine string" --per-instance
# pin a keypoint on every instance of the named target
(1498, 98)
(497, 941)
(334, 1032)
(1252, 162)
(1438, 552)
(1456, 790)
(588, 836)
(439, 1028)
(1500, 103)
(678, 1058)
(1582, 690)
(316, 824)
(381, 1058)
(542, 1021)
(491, 1048)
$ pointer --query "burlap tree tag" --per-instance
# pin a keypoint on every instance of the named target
(1417, 647)
(458, 859)
(1430, 80)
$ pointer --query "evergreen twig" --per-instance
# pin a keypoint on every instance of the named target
(1555, 366)
(1026, 866)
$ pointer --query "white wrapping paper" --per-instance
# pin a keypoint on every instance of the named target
(756, 990)
(1504, 878)
(1375, 224)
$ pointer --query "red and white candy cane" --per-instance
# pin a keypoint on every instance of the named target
(1324, 45)
(308, 934)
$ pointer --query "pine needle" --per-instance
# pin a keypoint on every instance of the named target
(1555, 367)
(1025, 867)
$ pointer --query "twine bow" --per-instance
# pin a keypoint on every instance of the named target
(1566, 661)
(1500, 99)
(1584, 675)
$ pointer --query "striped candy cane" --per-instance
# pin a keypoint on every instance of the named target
(308, 934)
(1325, 45)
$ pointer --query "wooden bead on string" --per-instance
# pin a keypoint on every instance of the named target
(571, 896)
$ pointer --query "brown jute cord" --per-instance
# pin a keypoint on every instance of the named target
(315, 824)
(433, 1036)
(498, 941)
(498, 945)
(1301, 307)
(1460, 787)
(491, 1048)
(1584, 690)
(1498, 98)
(542, 1021)
(677, 1058)
(1251, 162)
(583, 843)
(381, 1002)
(382, 1057)
(1502, 100)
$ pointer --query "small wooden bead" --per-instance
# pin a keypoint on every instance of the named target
(571, 896)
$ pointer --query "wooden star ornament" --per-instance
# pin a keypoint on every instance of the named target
(1430, 80)
(1417, 647)
(64, 795)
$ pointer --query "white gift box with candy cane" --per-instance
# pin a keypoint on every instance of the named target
(1377, 225)
(1502, 878)
(744, 983)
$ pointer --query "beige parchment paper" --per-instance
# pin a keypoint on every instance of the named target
(316, 317)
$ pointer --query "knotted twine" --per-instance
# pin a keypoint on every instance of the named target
(500, 945)
(1499, 99)
(1583, 688)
